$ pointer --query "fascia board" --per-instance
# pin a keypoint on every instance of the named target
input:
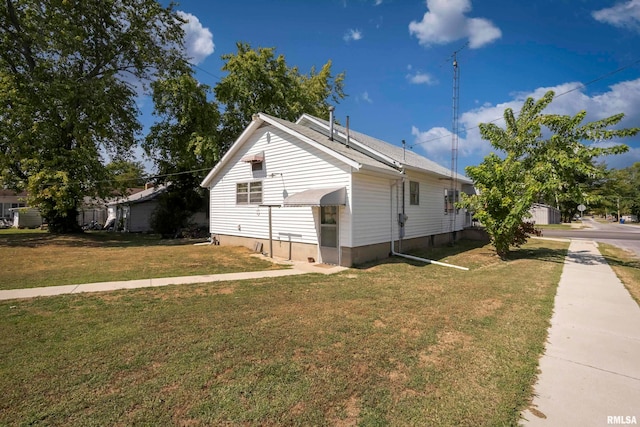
(253, 126)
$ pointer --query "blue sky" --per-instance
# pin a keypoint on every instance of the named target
(397, 58)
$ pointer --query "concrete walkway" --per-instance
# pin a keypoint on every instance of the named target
(296, 269)
(590, 372)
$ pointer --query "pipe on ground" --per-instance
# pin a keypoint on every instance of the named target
(411, 257)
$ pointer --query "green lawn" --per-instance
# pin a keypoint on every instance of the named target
(626, 266)
(395, 343)
(33, 258)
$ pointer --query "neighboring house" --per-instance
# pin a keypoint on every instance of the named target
(9, 199)
(312, 190)
(26, 217)
(542, 214)
(92, 211)
(132, 213)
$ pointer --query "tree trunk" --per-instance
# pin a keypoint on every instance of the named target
(64, 224)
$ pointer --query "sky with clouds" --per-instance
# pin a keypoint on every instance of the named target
(397, 56)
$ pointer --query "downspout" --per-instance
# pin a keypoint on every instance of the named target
(404, 216)
(411, 257)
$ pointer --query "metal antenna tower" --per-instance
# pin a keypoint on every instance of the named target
(453, 198)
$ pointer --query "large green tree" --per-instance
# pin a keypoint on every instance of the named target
(258, 81)
(621, 192)
(533, 166)
(70, 71)
(184, 145)
(568, 167)
(193, 130)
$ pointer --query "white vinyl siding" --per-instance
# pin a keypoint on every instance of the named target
(428, 218)
(371, 211)
(290, 166)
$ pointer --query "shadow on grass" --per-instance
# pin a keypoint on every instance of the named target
(541, 254)
(102, 239)
(614, 261)
(435, 254)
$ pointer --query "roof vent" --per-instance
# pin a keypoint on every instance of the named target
(348, 138)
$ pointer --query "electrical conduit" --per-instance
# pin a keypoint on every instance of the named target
(411, 257)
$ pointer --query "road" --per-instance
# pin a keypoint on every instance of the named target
(625, 236)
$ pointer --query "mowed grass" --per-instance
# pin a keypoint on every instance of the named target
(30, 259)
(626, 266)
(395, 343)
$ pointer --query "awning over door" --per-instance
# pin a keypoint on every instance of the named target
(318, 197)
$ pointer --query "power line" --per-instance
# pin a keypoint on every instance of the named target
(206, 72)
(580, 86)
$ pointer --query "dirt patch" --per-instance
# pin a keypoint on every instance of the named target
(487, 306)
(352, 410)
(447, 341)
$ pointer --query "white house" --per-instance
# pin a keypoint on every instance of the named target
(318, 191)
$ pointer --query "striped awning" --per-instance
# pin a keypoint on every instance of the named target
(253, 158)
(318, 197)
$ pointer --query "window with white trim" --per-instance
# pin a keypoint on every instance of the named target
(249, 193)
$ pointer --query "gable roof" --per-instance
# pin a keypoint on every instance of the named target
(363, 151)
(399, 155)
(140, 196)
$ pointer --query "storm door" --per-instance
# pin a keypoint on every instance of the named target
(329, 234)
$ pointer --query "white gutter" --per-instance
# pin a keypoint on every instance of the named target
(411, 257)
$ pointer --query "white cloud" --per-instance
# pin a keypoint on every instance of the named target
(421, 78)
(445, 22)
(352, 35)
(365, 97)
(378, 2)
(624, 15)
(622, 97)
(198, 39)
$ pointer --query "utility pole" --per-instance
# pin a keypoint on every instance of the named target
(453, 197)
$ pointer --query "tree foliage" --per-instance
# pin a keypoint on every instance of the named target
(534, 166)
(69, 75)
(194, 131)
(258, 81)
(125, 174)
(183, 141)
(621, 192)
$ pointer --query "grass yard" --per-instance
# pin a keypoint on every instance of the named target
(395, 343)
(626, 266)
(30, 259)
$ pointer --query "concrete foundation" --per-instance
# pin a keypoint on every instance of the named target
(349, 256)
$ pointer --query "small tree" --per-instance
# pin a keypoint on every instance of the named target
(534, 167)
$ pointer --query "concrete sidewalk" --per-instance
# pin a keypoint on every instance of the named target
(590, 372)
(296, 269)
